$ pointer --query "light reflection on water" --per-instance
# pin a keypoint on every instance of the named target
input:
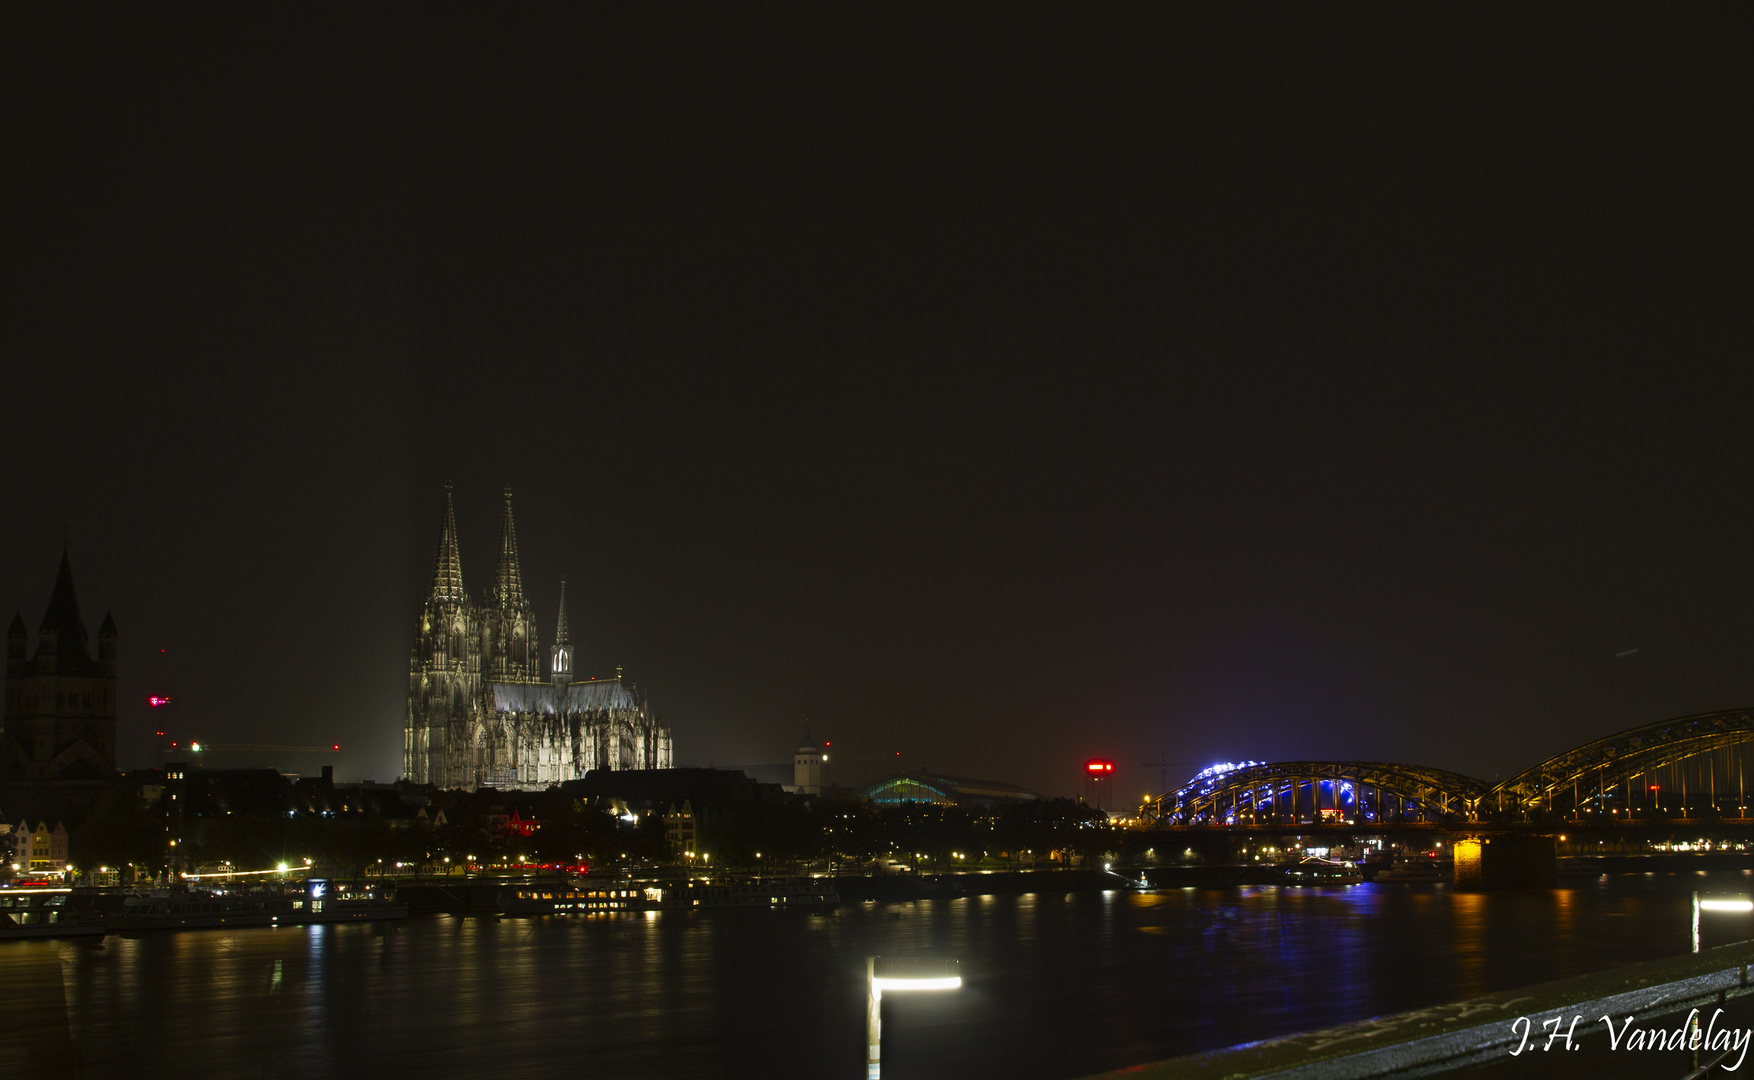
(1055, 985)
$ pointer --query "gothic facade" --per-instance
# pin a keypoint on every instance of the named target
(60, 723)
(480, 711)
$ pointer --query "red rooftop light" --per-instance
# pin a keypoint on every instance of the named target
(1099, 766)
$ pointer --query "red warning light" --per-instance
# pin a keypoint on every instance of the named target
(1099, 766)
(1656, 787)
(337, 746)
(157, 702)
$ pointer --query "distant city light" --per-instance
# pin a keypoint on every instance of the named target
(157, 702)
(1099, 766)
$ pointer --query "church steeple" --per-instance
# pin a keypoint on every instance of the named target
(61, 634)
(508, 588)
(562, 656)
(447, 576)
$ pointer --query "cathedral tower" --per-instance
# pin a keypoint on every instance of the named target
(480, 713)
(511, 623)
(444, 678)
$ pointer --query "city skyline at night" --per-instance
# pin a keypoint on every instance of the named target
(1031, 418)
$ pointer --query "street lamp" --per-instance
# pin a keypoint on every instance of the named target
(1738, 904)
(881, 975)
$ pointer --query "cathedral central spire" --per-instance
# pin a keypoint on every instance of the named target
(509, 583)
(447, 576)
(561, 661)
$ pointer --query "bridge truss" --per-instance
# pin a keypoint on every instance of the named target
(1311, 792)
(1687, 768)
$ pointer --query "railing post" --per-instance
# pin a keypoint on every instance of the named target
(874, 1018)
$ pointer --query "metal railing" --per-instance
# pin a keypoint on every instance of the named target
(1432, 1041)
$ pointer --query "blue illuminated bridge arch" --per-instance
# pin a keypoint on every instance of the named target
(1686, 768)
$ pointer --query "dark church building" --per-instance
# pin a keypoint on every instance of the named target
(58, 745)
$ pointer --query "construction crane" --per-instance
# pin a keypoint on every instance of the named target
(1163, 765)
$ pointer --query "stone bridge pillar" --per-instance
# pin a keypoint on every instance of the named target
(1506, 861)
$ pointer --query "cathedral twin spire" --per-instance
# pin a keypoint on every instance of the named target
(507, 593)
(508, 586)
(447, 576)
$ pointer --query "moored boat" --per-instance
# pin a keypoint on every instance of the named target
(45, 913)
(1313, 871)
(316, 904)
(609, 896)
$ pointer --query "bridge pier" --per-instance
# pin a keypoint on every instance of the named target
(1506, 862)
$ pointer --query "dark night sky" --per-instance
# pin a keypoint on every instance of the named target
(1003, 388)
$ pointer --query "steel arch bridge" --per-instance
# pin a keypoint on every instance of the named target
(1697, 760)
(1295, 792)
(1675, 769)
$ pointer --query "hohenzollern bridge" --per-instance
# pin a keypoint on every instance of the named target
(1686, 769)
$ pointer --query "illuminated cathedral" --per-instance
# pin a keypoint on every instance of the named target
(480, 711)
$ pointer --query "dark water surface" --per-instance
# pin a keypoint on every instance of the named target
(1056, 985)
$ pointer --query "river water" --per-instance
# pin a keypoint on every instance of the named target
(1056, 986)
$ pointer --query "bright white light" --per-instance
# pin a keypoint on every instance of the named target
(953, 982)
(1224, 767)
(1726, 905)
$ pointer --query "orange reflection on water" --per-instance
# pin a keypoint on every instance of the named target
(1468, 934)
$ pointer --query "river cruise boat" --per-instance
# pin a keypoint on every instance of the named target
(318, 904)
(606, 897)
(766, 892)
(46, 913)
(550, 899)
(1411, 868)
(1314, 871)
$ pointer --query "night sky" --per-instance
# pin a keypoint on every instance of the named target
(1002, 388)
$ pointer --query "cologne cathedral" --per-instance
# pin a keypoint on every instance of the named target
(480, 712)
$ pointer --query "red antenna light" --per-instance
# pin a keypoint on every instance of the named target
(337, 746)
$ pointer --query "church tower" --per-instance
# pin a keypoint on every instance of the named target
(60, 702)
(444, 676)
(511, 623)
(561, 667)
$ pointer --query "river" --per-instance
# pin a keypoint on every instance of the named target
(1056, 986)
